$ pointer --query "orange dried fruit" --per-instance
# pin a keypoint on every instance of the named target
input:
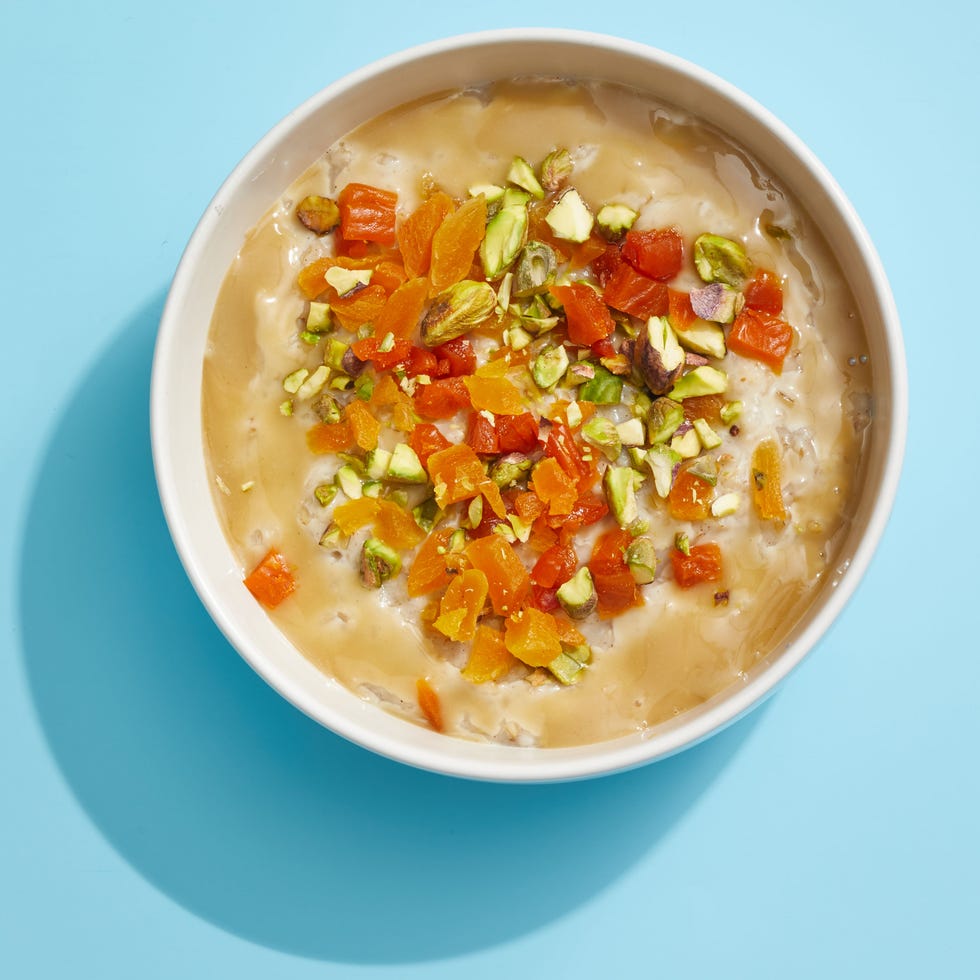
(462, 605)
(455, 243)
(489, 657)
(417, 230)
(507, 578)
(532, 636)
(497, 395)
(766, 482)
(690, 497)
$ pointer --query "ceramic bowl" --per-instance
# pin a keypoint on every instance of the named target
(287, 150)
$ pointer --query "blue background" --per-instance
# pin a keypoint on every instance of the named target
(164, 814)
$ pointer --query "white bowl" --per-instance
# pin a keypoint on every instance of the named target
(283, 154)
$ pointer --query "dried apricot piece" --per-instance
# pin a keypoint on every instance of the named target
(690, 497)
(401, 313)
(461, 605)
(455, 243)
(271, 581)
(507, 578)
(532, 636)
(766, 482)
(330, 437)
(553, 485)
(701, 564)
(497, 395)
(489, 658)
(429, 703)
(417, 230)
(430, 568)
(359, 307)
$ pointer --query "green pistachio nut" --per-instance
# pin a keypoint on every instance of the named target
(641, 557)
(457, 311)
(556, 168)
(720, 259)
(535, 270)
(503, 240)
(379, 563)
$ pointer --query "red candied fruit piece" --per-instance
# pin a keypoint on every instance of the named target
(658, 254)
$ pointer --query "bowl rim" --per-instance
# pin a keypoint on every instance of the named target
(476, 760)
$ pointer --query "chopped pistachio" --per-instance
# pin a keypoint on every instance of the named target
(326, 407)
(341, 383)
(319, 319)
(376, 463)
(379, 563)
(517, 337)
(708, 437)
(641, 557)
(503, 239)
(730, 411)
(492, 192)
(662, 459)
(658, 356)
(387, 344)
(727, 503)
(573, 413)
(704, 380)
(508, 470)
(330, 537)
(556, 168)
(704, 338)
(286, 408)
(578, 595)
(618, 482)
(364, 387)
(520, 527)
(294, 380)
(333, 356)
(686, 444)
(631, 432)
(664, 418)
(348, 481)
(325, 493)
(603, 388)
(504, 291)
(549, 366)
(682, 542)
(615, 219)
(717, 302)
(570, 218)
(535, 269)
(319, 214)
(602, 433)
(313, 385)
(457, 310)
(566, 668)
(308, 337)
(427, 514)
(372, 488)
(475, 511)
(520, 173)
(405, 465)
(514, 197)
(721, 260)
(457, 540)
(705, 468)
(347, 280)
(506, 532)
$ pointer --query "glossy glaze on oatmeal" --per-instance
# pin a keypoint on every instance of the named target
(679, 649)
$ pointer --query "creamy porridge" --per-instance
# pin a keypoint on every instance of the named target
(553, 435)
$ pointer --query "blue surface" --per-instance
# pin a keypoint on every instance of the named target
(167, 815)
